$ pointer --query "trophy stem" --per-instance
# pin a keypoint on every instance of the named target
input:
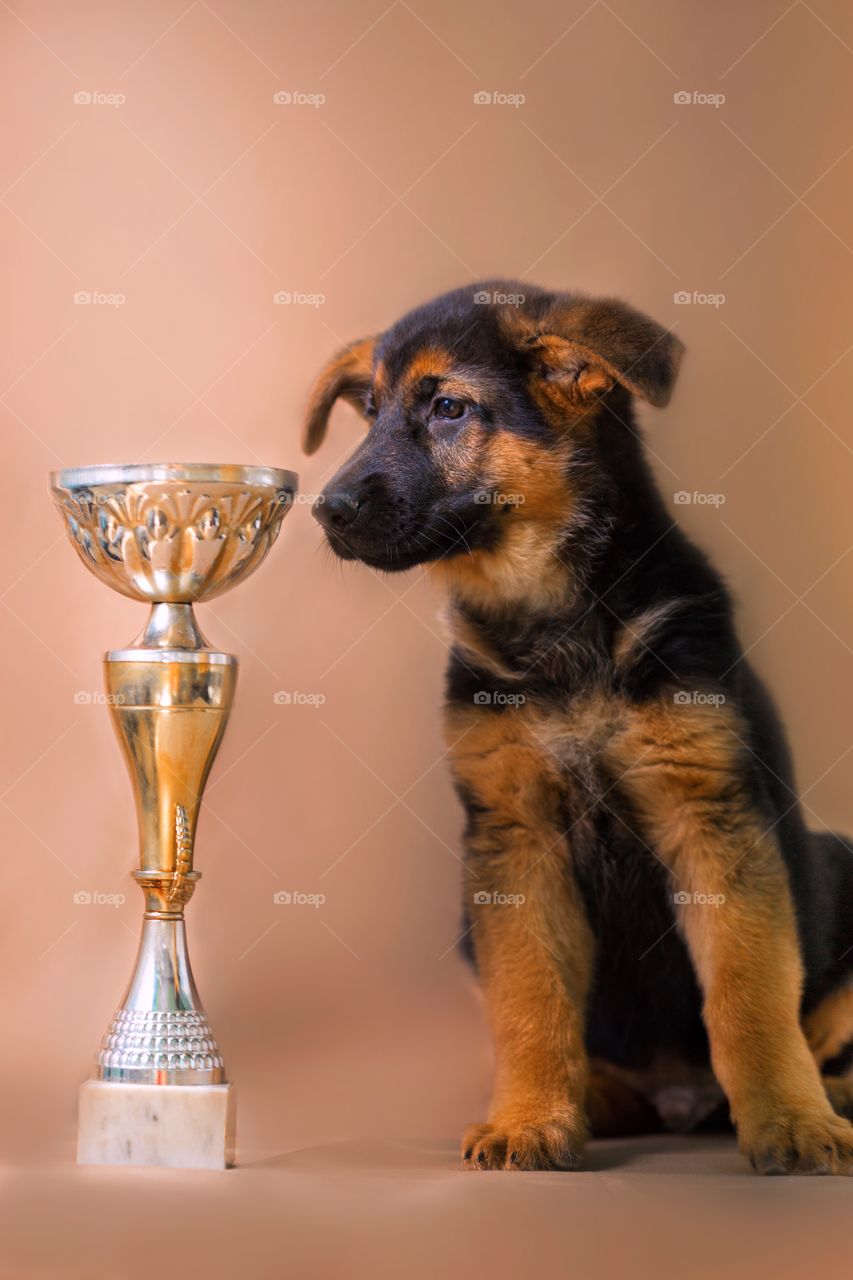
(169, 708)
(171, 626)
(160, 1035)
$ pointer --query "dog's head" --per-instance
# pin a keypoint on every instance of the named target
(479, 406)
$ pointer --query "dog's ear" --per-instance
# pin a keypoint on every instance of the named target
(582, 346)
(348, 374)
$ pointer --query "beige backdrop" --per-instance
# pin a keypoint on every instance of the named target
(149, 167)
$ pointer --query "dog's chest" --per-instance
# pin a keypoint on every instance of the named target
(534, 763)
(578, 740)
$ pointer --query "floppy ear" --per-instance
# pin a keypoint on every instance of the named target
(585, 345)
(347, 374)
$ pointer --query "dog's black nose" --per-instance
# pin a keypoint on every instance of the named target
(336, 510)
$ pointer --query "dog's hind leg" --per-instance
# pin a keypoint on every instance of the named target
(829, 1032)
(829, 1026)
(616, 1110)
(839, 1090)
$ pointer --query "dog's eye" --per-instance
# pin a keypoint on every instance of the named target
(445, 407)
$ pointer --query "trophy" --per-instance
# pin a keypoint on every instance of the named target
(169, 535)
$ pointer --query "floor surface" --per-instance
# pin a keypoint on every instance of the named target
(362, 1208)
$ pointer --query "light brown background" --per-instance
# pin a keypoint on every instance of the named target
(198, 198)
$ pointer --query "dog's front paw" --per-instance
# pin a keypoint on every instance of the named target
(799, 1142)
(541, 1141)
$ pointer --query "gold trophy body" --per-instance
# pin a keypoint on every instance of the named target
(169, 535)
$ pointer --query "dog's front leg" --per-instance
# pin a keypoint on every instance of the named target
(533, 951)
(689, 779)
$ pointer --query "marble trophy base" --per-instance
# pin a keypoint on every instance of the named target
(167, 1125)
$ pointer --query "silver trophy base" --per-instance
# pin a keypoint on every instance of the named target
(160, 1034)
(167, 1126)
(159, 1096)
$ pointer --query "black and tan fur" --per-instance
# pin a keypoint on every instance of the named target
(649, 917)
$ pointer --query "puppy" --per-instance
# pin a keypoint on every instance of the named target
(650, 919)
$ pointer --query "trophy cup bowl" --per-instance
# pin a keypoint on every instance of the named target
(169, 535)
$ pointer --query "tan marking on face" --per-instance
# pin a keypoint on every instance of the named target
(527, 484)
(430, 362)
(532, 475)
(525, 479)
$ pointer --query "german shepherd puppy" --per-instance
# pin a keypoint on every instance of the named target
(649, 917)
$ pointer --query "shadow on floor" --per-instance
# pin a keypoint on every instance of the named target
(661, 1153)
